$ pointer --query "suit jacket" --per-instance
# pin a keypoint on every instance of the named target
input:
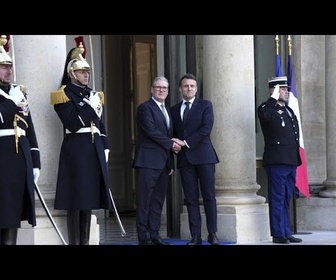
(281, 134)
(196, 133)
(153, 146)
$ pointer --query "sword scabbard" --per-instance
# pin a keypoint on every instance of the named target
(16, 134)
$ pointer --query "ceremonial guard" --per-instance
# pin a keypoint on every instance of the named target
(82, 182)
(19, 153)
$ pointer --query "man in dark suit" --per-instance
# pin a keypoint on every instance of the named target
(281, 157)
(197, 158)
(153, 162)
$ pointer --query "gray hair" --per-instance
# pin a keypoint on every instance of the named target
(160, 78)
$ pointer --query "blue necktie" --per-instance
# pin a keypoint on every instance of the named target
(186, 112)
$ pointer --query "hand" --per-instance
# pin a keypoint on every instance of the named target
(178, 141)
(16, 95)
(94, 102)
(36, 174)
(276, 92)
(176, 147)
(107, 152)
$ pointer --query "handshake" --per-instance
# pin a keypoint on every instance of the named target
(177, 145)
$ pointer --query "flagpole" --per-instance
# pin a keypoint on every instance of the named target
(278, 70)
(289, 41)
(277, 45)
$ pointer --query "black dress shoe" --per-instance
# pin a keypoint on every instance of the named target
(281, 240)
(196, 240)
(159, 241)
(146, 242)
(212, 239)
(293, 239)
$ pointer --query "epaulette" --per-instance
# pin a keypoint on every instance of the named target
(58, 96)
(101, 96)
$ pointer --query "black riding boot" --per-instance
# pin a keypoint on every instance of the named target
(73, 227)
(85, 224)
(8, 236)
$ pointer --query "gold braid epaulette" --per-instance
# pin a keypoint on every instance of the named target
(58, 96)
(101, 96)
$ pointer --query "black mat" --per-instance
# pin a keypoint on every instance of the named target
(171, 240)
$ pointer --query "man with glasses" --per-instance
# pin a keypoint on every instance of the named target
(153, 162)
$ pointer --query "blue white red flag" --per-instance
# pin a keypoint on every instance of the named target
(301, 171)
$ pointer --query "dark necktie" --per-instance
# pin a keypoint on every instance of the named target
(186, 112)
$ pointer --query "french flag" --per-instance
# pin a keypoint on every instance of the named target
(301, 171)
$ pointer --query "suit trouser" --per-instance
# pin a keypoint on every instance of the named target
(195, 177)
(281, 184)
(151, 191)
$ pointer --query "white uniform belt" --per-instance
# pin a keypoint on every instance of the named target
(11, 131)
(84, 130)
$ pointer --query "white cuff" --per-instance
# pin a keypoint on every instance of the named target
(36, 174)
(107, 151)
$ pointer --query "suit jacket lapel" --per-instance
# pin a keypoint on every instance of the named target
(159, 112)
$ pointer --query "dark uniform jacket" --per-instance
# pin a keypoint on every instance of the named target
(82, 181)
(281, 133)
(196, 132)
(153, 146)
(17, 197)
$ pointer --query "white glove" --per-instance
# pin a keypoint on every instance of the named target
(36, 174)
(107, 152)
(276, 93)
(94, 102)
(16, 95)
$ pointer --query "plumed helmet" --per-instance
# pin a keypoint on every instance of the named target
(78, 61)
(4, 47)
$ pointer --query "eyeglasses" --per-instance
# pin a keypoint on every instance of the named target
(160, 88)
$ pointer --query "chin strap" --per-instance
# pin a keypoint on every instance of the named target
(78, 81)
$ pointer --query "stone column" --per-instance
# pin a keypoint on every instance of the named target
(228, 81)
(39, 63)
(330, 98)
(315, 71)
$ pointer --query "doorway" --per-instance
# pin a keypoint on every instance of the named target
(129, 66)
